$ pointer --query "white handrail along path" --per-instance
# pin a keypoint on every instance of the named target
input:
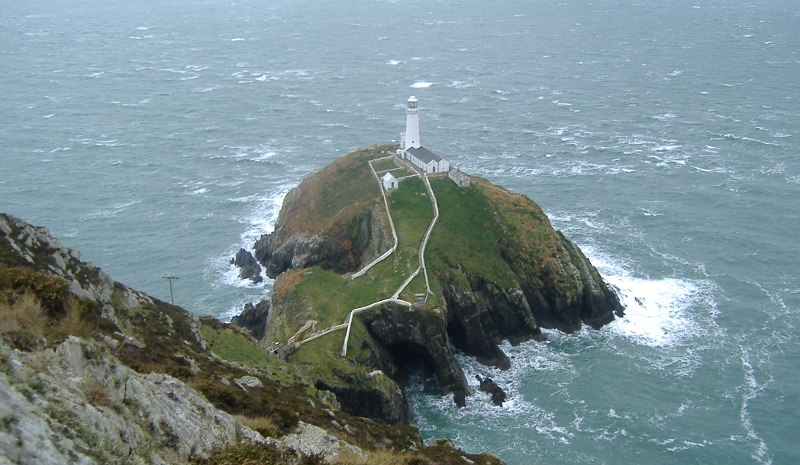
(395, 297)
(386, 254)
(361, 309)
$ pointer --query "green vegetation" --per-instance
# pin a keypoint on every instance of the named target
(147, 335)
(49, 289)
(412, 212)
(467, 233)
(233, 344)
(253, 453)
(37, 310)
(385, 164)
(322, 356)
(440, 453)
(326, 204)
(332, 296)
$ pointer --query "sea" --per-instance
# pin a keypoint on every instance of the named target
(159, 137)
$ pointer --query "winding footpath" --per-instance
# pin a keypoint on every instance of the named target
(395, 297)
(391, 250)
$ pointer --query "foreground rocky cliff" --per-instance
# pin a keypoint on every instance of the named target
(92, 371)
(497, 271)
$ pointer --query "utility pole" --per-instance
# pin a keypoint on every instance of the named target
(170, 278)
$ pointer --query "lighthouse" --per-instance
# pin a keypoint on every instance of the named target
(410, 148)
(411, 139)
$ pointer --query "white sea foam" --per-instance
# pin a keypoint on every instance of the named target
(752, 390)
(110, 211)
(666, 148)
(665, 116)
(461, 84)
(260, 221)
(660, 312)
(393, 62)
(421, 85)
(266, 155)
(480, 410)
(656, 311)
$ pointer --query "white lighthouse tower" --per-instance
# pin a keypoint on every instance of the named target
(410, 148)
(411, 139)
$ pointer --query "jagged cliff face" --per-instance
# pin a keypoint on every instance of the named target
(343, 225)
(418, 336)
(499, 272)
(67, 396)
(94, 372)
(508, 273)
(77, 403)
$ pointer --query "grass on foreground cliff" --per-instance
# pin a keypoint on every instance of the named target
(266, 426)
(254, 453)
(440, 453)
(26, 323)
(232, 344)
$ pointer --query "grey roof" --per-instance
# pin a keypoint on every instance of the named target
(424, 155)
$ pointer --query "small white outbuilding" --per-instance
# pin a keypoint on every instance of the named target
(389, 181)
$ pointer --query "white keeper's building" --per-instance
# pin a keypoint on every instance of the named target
(389, 181)
(412, 150)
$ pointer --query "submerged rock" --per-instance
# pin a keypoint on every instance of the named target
(248, 266)
(488, 386)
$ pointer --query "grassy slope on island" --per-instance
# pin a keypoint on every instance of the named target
(476, 220)
(337, 192)
(330, 297)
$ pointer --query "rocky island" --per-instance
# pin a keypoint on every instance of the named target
(375, 281)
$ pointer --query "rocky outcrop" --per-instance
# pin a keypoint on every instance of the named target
(480, 315)
(512, 274)
(565, 294)
(29, 246)
(371, 395)
(79, 404)
(248, 266)
(500, 271)
(413, 338)
(362, 239)
(313, 440)
(488, 386)
(253, 318)
(343, 224)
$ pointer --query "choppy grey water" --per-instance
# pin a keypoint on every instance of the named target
(159, 137)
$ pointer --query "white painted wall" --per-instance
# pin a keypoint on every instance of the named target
(412, 124)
